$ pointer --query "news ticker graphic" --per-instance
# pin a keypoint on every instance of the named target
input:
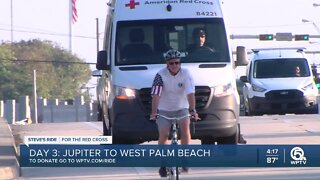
(110, 155)
(88, 140)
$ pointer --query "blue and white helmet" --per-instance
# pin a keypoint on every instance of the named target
(172, 54)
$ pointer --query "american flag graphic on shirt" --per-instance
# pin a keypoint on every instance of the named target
(157, 85)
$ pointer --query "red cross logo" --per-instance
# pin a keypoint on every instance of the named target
(132, 4)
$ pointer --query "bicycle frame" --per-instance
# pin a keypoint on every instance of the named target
(173, 172)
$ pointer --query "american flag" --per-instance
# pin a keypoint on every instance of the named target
(157, 85)
(74, 11)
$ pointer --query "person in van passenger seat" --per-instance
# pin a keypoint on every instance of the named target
(199, 38)
(137, 48)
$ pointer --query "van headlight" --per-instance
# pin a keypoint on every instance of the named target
(258, 88)
(308, 87)
(223, 90)
(124, 93)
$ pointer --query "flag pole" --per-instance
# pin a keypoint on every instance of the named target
(70, 26)
(11, 29)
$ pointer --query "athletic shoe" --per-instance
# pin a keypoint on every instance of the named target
(242, 140)
(163, 172)
(185, 169)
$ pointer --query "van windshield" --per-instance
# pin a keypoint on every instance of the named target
(145, 42)
(281, 68)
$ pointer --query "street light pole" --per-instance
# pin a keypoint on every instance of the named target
(313, 23)
(315, 4)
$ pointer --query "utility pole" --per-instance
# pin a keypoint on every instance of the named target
(97, 33)
(35, 96)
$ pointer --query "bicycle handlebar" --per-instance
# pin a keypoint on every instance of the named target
(176, 118)
(173, 118)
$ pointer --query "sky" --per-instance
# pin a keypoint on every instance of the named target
(272, 16)
(49, 20)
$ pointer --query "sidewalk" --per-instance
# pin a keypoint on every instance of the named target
(9, 167)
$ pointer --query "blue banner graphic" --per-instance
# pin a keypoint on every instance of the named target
(170, 155)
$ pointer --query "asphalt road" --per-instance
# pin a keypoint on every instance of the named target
(289, 129)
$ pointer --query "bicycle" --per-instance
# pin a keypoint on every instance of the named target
(173, 172)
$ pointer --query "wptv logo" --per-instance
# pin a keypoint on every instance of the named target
(297, 156)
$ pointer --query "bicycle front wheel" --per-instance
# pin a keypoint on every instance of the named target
(173, 173)
(177, 173)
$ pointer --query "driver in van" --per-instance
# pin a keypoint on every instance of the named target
(173, 94)
(199, 37)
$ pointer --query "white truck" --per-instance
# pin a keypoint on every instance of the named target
(137, 34)
(279, 81)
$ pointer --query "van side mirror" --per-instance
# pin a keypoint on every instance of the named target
(102, 61)
(242, 59)
(96, 73)
(244, 79)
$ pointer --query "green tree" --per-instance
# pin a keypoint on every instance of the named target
(60, 74)
(12, 84)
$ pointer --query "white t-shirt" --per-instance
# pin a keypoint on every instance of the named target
(173, 90)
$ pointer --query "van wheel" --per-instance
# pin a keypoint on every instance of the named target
(106, 128)
(231, 139)
(208, 140)
(105, 125)
(119, 140)
(247, 111)
(100, 114)
(314, 110)
(250, 112)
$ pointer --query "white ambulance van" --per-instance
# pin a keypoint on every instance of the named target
(279, 81)
(137, 34)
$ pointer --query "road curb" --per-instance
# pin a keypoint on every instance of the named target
(9, 165)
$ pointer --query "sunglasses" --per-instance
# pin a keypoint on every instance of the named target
(176, 63)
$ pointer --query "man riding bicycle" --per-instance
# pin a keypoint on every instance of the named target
(173, 95)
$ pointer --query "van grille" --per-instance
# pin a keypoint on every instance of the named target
(283, 94)
(202, 97)
(145, 98)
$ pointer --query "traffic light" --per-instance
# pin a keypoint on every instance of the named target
(301, 37)
(266, 37)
